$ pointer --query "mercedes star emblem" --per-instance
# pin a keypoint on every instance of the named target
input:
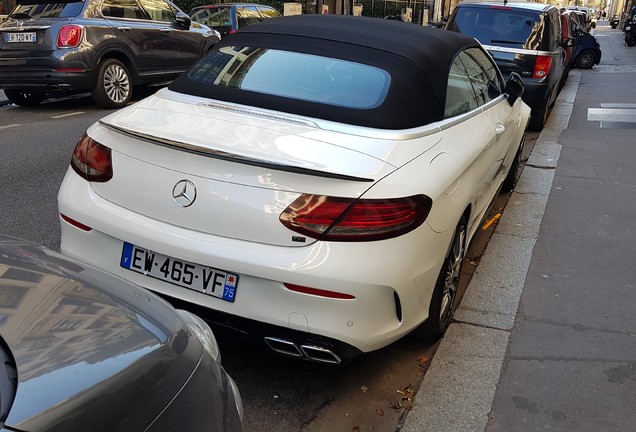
(184, 193)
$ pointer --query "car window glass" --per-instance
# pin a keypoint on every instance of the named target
(490, 71)
(294, 75)
(477, 77)
(123, 9)
(50, 10)
(460, 96)
(504, 27)
(268, 12)
(214, 17)
(158, 10)
(247, 15)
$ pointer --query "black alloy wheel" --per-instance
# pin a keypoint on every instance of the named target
(24, 98)
(444, 300)
(585, 60)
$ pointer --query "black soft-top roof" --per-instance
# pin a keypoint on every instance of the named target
(418, 59)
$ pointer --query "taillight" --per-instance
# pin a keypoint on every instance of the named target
(69, 36)
(348, 219)
(92, 160)
(542, 66)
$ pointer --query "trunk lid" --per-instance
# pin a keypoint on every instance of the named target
(239, 170)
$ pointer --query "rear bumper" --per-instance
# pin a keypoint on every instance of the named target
(45, 81)
(537, 94)
(46, 75)
(391, 280)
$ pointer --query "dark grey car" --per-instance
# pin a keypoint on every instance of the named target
(102, 46)
(521, 37)
(86, 351)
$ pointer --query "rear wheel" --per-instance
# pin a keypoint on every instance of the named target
(630, 39)
(443, 302)
(24, 98)
(538, 119)
(510, 181)
(585, 60)
(114, 86)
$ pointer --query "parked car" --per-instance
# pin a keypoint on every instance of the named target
(523, 38)
(103, 47)
(227, 18)
(587, 51)
(589, 21)
(566, 33)
(85, 350)
(614, 21)
(303, 182)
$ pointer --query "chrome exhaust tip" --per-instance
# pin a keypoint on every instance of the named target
(309, 352)
(320, 354)
(283, 346)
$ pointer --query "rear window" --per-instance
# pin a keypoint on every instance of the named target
(500, 26)
(48, 10)
(294, 75)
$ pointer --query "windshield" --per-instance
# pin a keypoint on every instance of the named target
(294, 75)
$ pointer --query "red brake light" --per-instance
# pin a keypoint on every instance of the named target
(69, 36)
(92, 160)
(542, 66)
(347, 219)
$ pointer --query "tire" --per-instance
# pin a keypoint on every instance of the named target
(444, 300)
(585, 60)
(510, 181)
(537, 120)
(630, 39)
(614, 27)
(113, 88)
(23, 98)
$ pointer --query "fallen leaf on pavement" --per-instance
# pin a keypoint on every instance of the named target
(380, 412)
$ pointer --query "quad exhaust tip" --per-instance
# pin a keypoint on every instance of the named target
(309, 352)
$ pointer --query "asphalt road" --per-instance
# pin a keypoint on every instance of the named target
(279, 394)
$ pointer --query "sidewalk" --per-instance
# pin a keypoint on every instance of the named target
(544, 337)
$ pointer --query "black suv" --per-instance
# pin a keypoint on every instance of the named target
(102, 46)
(521, 37)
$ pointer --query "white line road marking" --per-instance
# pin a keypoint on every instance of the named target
(10, 126)
(68, 115)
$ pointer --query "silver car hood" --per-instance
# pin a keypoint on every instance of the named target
(84, 355)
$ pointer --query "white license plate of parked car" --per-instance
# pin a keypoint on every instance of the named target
(207, 280)
(20, 37)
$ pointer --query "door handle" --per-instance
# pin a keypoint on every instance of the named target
(499, 129)
(166, 30)
(124, 29)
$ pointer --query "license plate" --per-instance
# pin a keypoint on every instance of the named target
(207, 280)
(20, 37)
(628, 28)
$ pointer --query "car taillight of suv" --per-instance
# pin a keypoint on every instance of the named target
(70, 36)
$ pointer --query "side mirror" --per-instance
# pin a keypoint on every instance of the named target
(183, 20)
(514, 87)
